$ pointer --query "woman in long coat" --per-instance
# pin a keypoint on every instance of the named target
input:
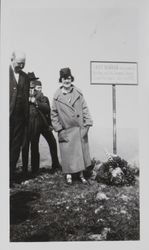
(71, 119)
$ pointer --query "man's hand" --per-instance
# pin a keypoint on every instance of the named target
(39, 95)
(32, 99)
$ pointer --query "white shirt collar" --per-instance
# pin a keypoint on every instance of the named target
(15, 75)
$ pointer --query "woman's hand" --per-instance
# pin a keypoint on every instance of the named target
(62, 136)
(84, 131)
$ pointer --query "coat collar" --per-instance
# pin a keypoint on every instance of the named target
(59, 96)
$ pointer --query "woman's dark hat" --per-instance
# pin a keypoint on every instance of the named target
(32, 76)
(65, 73)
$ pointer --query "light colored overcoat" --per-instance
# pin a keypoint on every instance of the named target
(72, 117)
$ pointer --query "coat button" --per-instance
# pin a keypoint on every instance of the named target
(78, 116)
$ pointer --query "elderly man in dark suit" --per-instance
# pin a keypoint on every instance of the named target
(19, 107)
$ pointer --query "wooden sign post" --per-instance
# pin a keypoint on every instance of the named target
(113, 73)
(114, 118)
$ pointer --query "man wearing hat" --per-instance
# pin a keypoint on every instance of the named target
(32, 76)
(40, 123)
(71, 119)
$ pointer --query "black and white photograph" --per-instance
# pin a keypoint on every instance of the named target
(76, 108)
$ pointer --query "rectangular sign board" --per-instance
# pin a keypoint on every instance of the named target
(118, 73)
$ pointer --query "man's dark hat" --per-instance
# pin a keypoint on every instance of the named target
(32, 76)
(37, 83)
(64, 73)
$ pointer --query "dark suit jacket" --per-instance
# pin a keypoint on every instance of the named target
(24, 81)
(44, 109)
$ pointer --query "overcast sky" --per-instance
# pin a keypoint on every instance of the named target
(54, 38)
(57, 37)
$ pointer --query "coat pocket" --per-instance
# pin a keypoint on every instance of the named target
(63, 137)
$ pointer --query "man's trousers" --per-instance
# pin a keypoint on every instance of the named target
(33, 140)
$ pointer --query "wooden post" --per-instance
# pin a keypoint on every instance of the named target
(114, 118)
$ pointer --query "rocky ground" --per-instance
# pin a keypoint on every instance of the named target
(45, 208)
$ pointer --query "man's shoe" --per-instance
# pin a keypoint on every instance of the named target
(57, 167)
(34, 173)
(25, 174)
(53, 170)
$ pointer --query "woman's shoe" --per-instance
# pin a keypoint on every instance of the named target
(83, 180)
(69, 179)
